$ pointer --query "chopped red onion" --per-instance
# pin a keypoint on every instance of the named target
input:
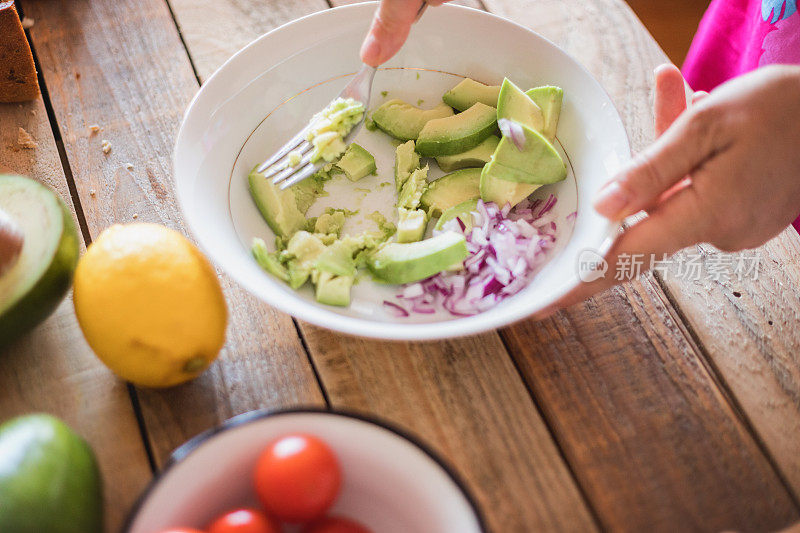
(395, 309)
(513, 131)
(507, 248)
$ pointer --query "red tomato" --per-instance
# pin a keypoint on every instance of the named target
(244, 521)
(297, 478)
(336, 524)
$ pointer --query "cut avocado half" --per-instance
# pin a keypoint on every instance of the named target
(536, 163)
(36, 283)
(469, 92)
(475, 157)
(513, 104)
(549, 100)
(459, 133)
(404, 121)
(462, 211)
(357, 163)
(450, 190)
(503, 192)
(406, 263)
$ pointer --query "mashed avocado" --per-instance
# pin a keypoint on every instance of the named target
(329, 127)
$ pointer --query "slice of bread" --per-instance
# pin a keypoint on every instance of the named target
(18, 81)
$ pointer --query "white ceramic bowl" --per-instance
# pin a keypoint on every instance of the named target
(268, 91)
(391, 483)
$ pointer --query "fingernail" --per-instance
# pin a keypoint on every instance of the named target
(371, 50)
(611, 200)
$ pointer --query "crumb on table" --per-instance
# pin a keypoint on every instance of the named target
(92, 192)
(135, 215)
(28, 22)
(106, 146)
(129, 166)
(94, 128)
(25, 140)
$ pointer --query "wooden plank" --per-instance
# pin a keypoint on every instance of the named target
(102, 68)
(749, 330)
(648, 391)
(52, 368)
(463, 397)
(213, 31)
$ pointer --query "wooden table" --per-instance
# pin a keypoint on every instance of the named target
(661, 405)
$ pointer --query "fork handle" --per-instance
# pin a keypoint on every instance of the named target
(422, 9)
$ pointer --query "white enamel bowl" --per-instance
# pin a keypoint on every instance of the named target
(391, 483)
(269, 90)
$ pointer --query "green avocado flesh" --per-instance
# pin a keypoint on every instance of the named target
(503, 192)
(462, 211)
(475, 157)
(549, 99)
(284, 210)
(538, 163)
(356, 163)
(469, 92)
(450, 190)
(405, 162)
(411, 224)
(334, 290)
(459, 133)
(404, 121)
(513, 104)
(36, 283)
(49, 479)
(406, 263)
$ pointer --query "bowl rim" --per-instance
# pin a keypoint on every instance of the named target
(360, 326)
(187, 448)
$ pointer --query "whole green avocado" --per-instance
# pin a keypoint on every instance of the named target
(49, 479)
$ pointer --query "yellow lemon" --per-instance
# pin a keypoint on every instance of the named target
(150, 305)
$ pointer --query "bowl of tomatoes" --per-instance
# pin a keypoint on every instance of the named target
(305, 471)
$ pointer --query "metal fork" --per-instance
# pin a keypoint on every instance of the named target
(277, 167)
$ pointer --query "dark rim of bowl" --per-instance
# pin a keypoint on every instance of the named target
(192, 444)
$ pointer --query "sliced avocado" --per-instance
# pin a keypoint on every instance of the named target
(356, 163)
(269, 261)
(406, 161)
(513, 104)
(549, 100)
(404, 121)
(49, 478)
(284, 210)
(334, 290)
(413, 189)
(459, 133)
(469, 92)
(411, 225)
(538, 163)
(33, 286)
(450, 190)
(407, 263)
(461, 211)
(475, 157)
(502, 192)
(303, 249)
(337, 259)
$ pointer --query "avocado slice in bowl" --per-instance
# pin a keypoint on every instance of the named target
(404, 121)
(459, 133)
(36, 283)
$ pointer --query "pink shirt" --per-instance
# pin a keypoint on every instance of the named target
(737, 36)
